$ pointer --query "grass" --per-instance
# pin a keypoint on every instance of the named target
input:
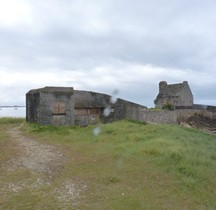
(7, 146)
(10, 120)
(129, 165)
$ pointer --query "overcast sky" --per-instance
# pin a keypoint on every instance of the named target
(103, 45)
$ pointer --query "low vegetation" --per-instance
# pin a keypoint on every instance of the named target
(128, 165)
(8, 120)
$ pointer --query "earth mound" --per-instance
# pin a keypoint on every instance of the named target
(203, 122)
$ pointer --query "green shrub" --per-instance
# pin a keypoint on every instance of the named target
(167, 107)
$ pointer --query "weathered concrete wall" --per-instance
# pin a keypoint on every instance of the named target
(32, 106)
(90, 106)
(87, 99)
(134, 111)
(50, 105)
(64, 106)
(87, 116)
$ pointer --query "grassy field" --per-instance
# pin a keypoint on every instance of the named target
(129, 165)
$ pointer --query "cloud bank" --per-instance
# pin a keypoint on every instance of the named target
(102, 45)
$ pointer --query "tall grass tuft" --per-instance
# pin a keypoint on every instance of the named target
(11, 120)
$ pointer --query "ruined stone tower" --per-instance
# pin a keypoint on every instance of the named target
(174, 94)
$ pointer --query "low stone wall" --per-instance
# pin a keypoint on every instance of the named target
(159, 116)
(204, 107)
(175, 116)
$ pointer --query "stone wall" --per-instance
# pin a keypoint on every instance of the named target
(159, 116)
(175, 116)
(204, 107)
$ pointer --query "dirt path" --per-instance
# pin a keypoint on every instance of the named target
(44, 162)
(36, 157)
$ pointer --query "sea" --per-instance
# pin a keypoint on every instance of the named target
(13, 112)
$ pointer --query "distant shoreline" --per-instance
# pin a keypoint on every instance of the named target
(12, 106)
(13, 111)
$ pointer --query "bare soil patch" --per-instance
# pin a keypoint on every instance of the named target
(203, 123)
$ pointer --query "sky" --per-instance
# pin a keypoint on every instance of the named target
(107, 45)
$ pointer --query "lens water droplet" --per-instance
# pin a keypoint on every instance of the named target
(113, 100)
(96, 131)
(114, 97)
(107, 111)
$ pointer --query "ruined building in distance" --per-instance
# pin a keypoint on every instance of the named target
(176, 95)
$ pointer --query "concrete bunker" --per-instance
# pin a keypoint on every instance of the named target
(50, 106)
(66, 106)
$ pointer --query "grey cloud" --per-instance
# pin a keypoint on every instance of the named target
(140, 33)
(81, 36)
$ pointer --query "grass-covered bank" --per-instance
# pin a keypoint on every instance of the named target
(127, 166)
